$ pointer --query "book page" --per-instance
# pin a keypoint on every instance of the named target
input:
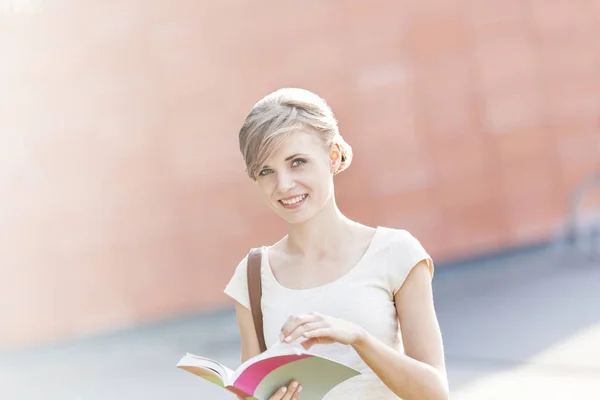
(206, 368)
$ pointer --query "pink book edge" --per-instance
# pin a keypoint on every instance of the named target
(249, 380)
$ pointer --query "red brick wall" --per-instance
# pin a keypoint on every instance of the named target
(124, 198)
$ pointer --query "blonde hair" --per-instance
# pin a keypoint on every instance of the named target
(278, 115)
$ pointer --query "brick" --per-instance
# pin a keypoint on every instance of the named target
(252, 25)
(416, 8)
(578, 158)
(386, 113)
(595, 8)
(534, 199)
(565, 129)
(445, 98)
(526, 163)
(535, 216)
(473, 228)
(487, 17)
(375, 20)
(523, 146)
(579, 147)
(450, 73)
(514, 110)
(560, 60)
(454, 117)
(535, 176)
(461, 160)
(558, 17)
(505, 63)
(372, 73)
(395, 137)
(572, 99)
(408, 171)
(326, 50)
(431, 38)
(475, 189)
(573, 176)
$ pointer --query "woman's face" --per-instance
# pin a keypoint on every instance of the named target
(297, 180)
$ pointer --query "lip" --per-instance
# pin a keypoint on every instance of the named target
(295, 205)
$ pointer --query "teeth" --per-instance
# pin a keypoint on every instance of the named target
(294, 200)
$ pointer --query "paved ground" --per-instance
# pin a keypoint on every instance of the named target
(525, 326)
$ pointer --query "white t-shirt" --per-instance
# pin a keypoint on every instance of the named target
(364, 295)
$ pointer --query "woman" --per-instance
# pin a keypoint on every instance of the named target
(342, 288)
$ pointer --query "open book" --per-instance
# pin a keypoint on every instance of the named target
(259, 377)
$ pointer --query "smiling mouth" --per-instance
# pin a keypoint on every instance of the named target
(293, 201)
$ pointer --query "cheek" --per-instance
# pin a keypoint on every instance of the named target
(321, 181)
(320, 170)
(265, 186)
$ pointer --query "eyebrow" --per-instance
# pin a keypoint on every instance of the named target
(286, 159)
(292, 156)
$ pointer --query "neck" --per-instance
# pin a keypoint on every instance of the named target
(320, 235)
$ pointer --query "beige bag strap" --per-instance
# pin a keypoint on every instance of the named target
(255, 294)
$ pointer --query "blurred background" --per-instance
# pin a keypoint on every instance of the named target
(124, 205)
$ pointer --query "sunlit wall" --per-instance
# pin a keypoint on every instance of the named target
(123, 197)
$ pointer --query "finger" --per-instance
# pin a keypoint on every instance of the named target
(319, 333)
(278, 395)
(288, 326)
(294, 322)
(302, 329)
(292, 389)
(297, 394)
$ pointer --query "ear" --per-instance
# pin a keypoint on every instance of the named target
(335, 157)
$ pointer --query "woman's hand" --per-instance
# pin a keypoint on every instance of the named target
(322, 329)
(291, 392)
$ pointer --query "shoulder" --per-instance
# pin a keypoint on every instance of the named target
(403, 252)
(399, 239)
(237, 287)
(250, 257)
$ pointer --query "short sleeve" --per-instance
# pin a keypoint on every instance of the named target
(237, 288)
(406, 253)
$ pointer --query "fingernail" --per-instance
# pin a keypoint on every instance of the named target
(295, 385)
(284, 389)
(287, 339)
(300, 389)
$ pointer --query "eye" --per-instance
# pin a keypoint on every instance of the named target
(298, 162)
(265, 171)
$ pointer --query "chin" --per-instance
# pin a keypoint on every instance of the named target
(294, 219)
(300, 217)
(297, 217)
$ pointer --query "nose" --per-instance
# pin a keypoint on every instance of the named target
(285, 182)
